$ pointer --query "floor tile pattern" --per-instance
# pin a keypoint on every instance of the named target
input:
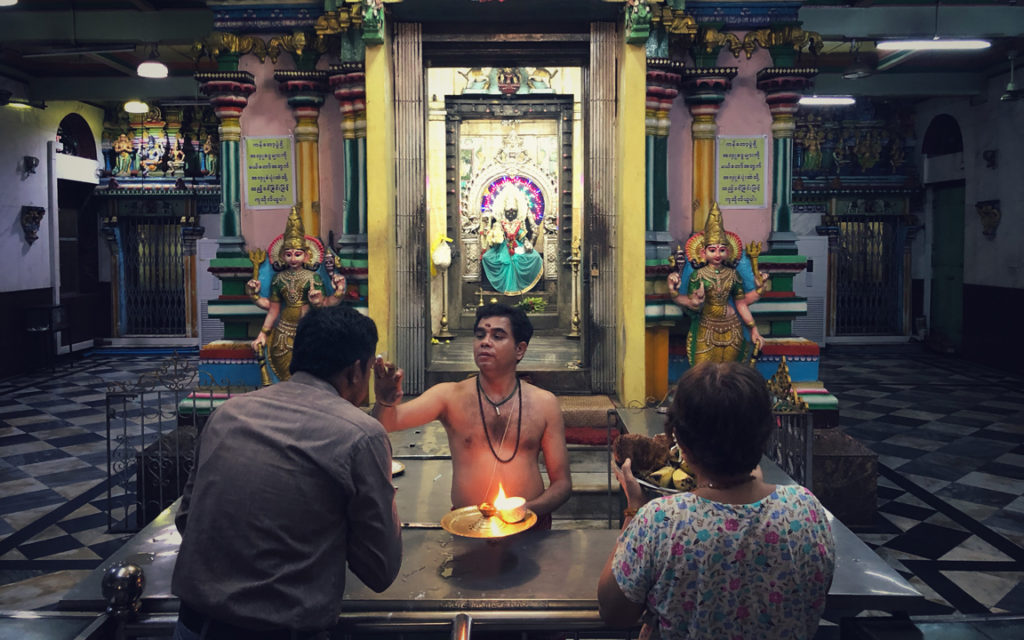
(949, 436)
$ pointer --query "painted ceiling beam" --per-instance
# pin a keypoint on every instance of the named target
(178, 25)
(877, 22)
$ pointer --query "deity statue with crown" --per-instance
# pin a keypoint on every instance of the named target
(295, 287)
(722, 281)
(509, 234)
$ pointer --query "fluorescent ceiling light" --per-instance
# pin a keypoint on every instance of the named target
(8, 3)
(136, 106)
(934, 44)
(826, 101)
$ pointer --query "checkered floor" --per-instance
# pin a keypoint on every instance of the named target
(950, 442)
(949, 434)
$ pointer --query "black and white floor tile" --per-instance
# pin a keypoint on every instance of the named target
(949, 436)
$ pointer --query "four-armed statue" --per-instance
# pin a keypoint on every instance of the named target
(509, 234)
(721, 283)
(296, 286)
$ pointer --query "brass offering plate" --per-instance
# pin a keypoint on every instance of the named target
(396, 467)
(470, 523)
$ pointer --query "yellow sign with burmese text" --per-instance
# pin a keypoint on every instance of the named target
(741, 172)
(269, 172)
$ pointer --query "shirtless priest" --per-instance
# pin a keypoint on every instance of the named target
(497, 425)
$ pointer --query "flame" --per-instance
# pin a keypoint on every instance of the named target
(499, 501)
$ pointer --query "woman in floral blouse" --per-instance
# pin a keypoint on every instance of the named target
(736, 558)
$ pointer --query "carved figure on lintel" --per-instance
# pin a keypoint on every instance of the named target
(477, 81)
(721, 283)
(540, 80)
(508, 234)
(297, 285)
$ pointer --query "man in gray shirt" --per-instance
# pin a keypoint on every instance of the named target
(290, 482)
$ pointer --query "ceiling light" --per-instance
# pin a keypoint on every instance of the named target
(152, 68)
(934, 44)
(827, 101)
(8, 3)
(136, 106)
(858, 68)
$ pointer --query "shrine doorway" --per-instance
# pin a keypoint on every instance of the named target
(509, 209)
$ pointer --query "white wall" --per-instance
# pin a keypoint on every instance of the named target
(986, 123)
(26, 132)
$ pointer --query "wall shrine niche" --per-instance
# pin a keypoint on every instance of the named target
(867, 144)
(172, 142)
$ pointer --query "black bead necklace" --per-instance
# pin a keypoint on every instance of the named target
(483, 421)
(480, 389)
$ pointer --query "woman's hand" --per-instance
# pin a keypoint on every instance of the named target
(253, 286)
(316, 296)
(635, 497)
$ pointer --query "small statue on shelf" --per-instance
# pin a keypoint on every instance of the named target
(297, 286)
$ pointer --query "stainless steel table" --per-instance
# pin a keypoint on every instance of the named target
(424, 492)
(428, 441)
(534, 580)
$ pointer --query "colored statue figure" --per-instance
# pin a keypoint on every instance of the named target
(123, 161)
(210, 151)
(718, 291)
(511, 264)
(293, 290)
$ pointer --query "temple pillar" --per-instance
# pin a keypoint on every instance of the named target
(783, 88)
(305, 90)
(229, 94)
(704, 91)
(348, 82)
(663, 78)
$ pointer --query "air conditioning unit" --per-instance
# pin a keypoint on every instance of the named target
(812, 283)
(208, 287)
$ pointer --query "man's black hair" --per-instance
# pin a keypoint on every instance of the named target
(522, 328)
(329, 339)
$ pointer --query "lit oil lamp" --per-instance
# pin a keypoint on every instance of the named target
(510, 509)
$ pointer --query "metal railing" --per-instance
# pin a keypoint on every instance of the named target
(152, 426)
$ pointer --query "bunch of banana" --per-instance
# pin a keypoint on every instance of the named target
(676, 475)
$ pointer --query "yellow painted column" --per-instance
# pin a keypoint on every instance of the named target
(704, 91)
(305, 91)
(307, 152)
(631, 195)
(380, 188)
(704, 131)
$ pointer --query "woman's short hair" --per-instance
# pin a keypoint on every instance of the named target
(722, 414)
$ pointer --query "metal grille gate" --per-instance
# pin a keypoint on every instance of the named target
(154, 275)
(869, 276)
